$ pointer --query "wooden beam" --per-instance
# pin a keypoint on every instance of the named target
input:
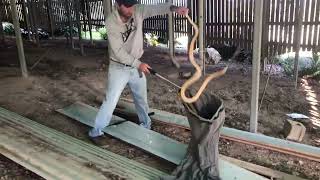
(18, 38)
(256, 66)
(267, 172)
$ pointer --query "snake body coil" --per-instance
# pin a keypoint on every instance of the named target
(198, 72)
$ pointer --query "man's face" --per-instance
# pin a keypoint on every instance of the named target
(126, 11)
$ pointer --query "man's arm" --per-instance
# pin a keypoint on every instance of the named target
(116, 46)
(159, 9)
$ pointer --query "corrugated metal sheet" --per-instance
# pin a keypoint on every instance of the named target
(54, 155)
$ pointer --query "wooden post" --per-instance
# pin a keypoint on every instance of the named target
(50, 17)
(68, 11)
(18, 38)
(35, 19)
(189, 26)
(26, 18)
(300, 10)
(89, 20)
(171, 37)
(265, 30)
(1, 28)
(77, 11)
(201, 21)
(30, 15)
(258, 12)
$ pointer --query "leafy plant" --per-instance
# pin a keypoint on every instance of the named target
(103, 33)
(8, 28)
(152, 39)
(314, 70)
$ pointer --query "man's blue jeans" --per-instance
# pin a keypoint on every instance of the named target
(118, 77)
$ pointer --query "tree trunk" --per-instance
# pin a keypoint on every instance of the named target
(206, 117)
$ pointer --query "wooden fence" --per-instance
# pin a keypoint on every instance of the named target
(227, 21)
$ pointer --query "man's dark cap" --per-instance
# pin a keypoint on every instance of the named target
(127, 3)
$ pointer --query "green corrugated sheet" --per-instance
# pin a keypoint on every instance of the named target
(98, 158)
(153, 142)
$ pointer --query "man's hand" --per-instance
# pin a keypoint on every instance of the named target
(144, 68)
(180, 10)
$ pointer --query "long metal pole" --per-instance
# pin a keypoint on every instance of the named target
(258, 16)
(18, 38)
(201, 20)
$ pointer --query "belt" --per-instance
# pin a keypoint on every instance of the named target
(126, 65)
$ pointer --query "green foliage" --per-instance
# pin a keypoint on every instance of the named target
(65, 31)
(307, 66)
(103, 33)
(8, 28)
(152, 39)
(314, 70)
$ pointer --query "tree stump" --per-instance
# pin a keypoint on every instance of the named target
(206, 117)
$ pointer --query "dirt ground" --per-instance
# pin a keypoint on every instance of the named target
(63, 77)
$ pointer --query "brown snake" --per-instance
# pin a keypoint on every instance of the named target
(198, 72)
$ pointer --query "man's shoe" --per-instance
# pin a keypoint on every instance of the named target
(99, 140)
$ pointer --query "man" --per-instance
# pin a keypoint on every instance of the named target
(125, 44)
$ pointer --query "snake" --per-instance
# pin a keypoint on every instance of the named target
(197, 75)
